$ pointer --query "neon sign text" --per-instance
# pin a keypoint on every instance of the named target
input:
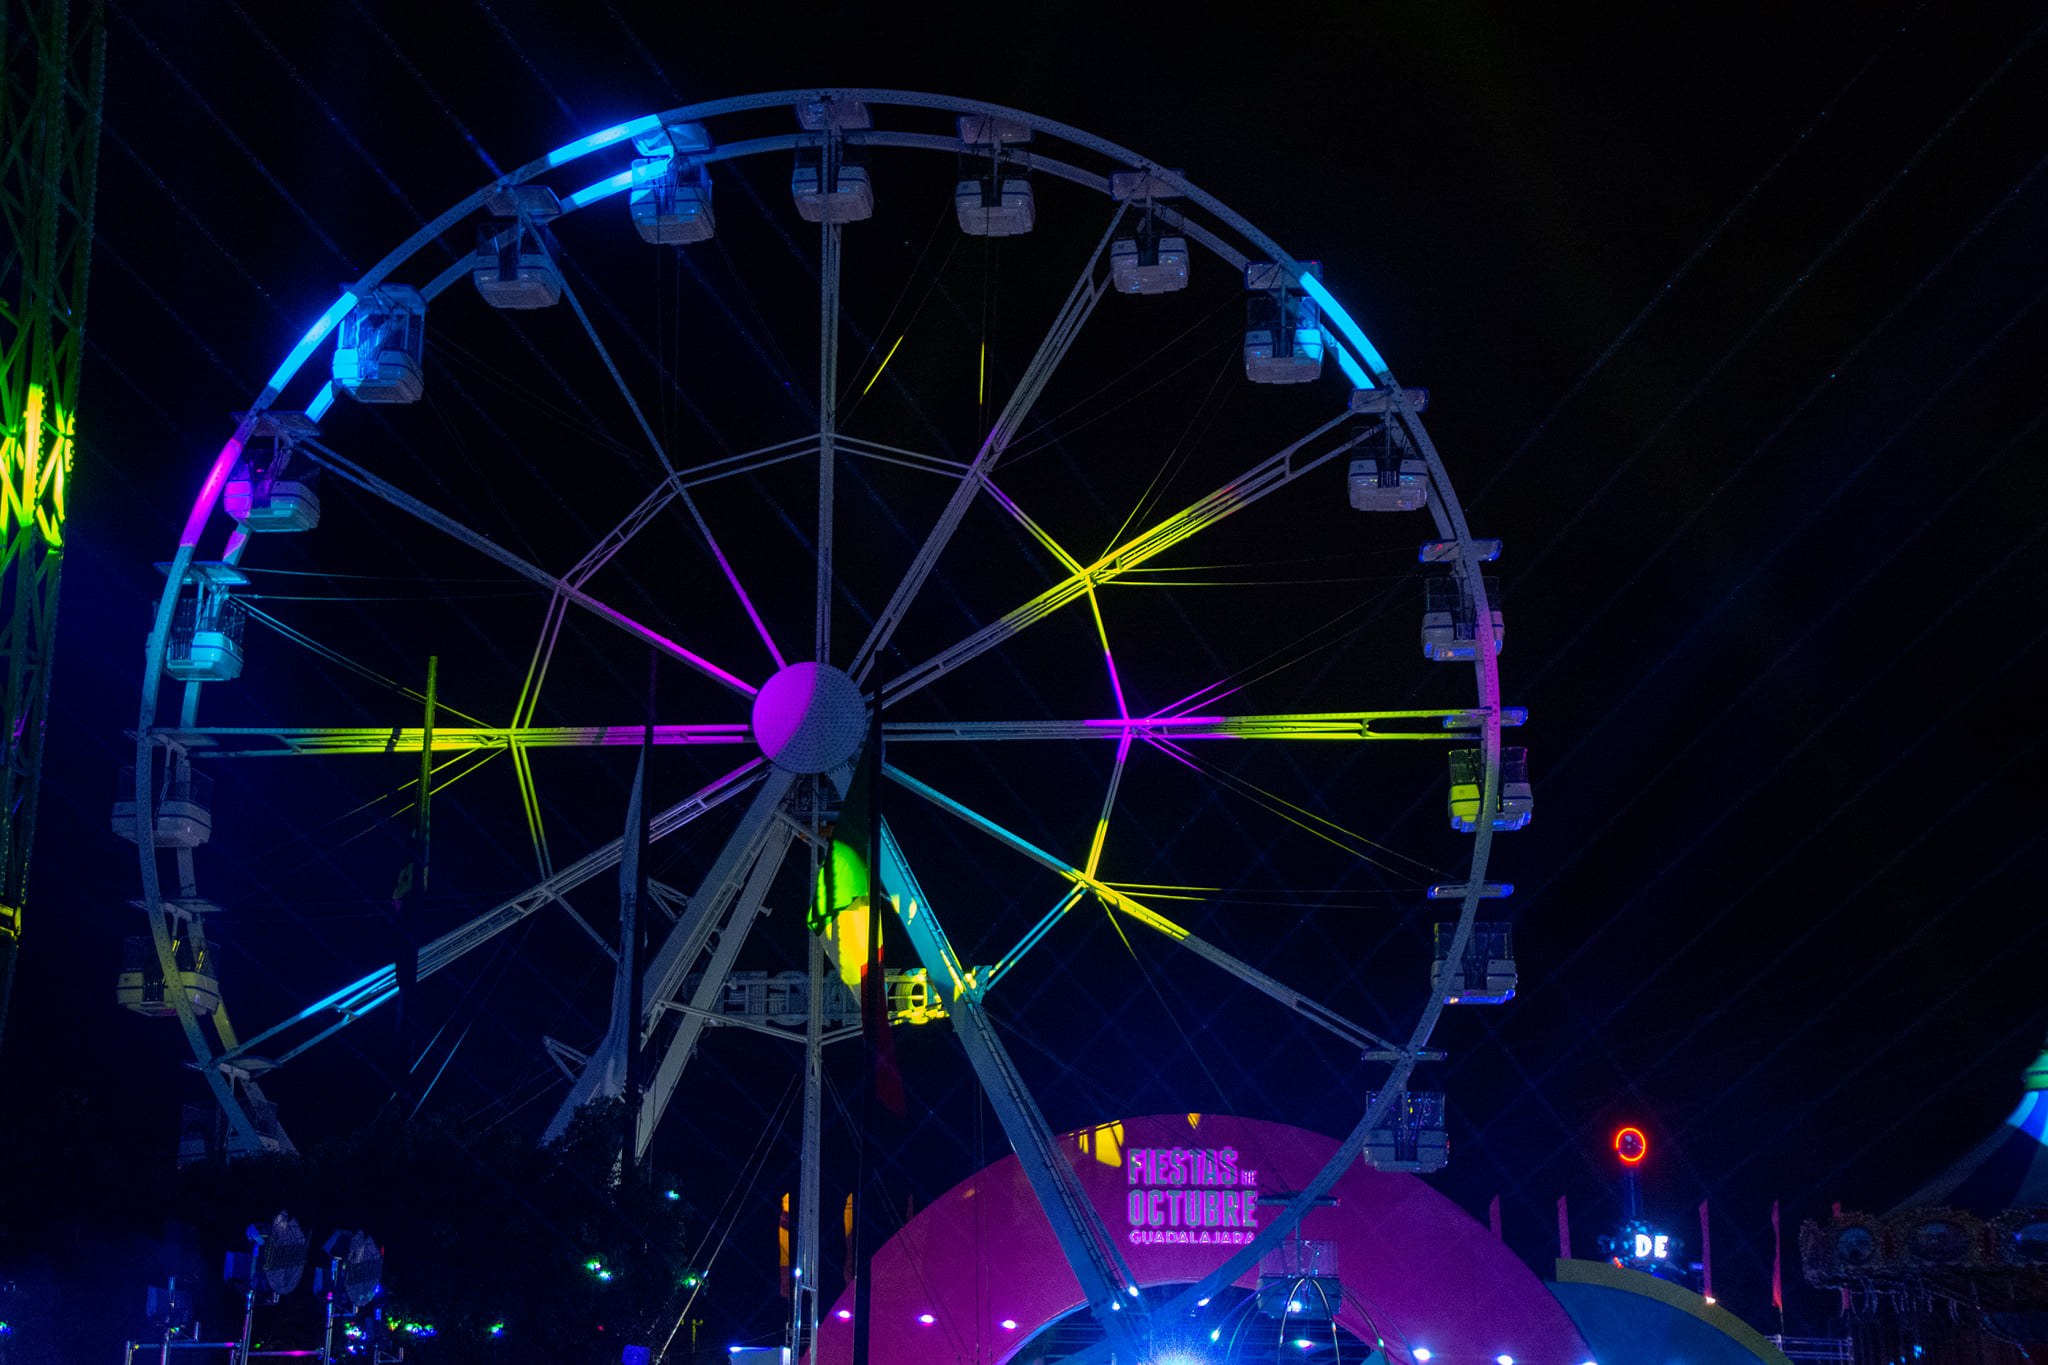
(1192, 1194)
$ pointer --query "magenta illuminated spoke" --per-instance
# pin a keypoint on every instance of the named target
(1425, 724)
(660, 642)
(732, 577)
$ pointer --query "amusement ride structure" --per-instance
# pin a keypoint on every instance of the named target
(1062, 695)
(49, 152)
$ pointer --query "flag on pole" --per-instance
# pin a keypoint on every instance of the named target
(1777, 1262)
(1493, 1217)
(1706, 1256)
(1564, 1231)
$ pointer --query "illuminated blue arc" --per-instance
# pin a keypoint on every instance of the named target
(583, 146)
(1351, 330)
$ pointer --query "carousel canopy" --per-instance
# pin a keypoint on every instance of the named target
(2008, 1169)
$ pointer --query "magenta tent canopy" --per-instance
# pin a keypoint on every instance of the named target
(978, 1273)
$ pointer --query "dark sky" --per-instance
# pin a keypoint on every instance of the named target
(1732, 322)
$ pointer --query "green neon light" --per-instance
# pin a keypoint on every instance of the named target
(35, 462)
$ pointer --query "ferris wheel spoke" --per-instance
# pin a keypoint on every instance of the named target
(618, 380)
(370, 483)
(1116, 777)
(280, 741)
(828, 424)
(1121, 903)
(1269, 475)
(1052, 349)
(1449, 723)
(359, 997)
(225, 741)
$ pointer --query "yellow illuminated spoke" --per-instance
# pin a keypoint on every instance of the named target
(1273, 473)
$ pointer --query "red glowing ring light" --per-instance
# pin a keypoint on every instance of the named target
(1631, 1146)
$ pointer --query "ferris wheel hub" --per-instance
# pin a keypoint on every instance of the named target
(809, 718)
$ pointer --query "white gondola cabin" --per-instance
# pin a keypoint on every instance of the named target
(670, 200)
(518, 264)
(184, 808)
(1450, 619)
(141, 987)
(1485, 974)
(1154, 259)
(828, 187)
(1283, 334)
(1517, 801)
(830, 182)
(380, 347)
(993, 196)
(1387, 475)
(1412, 1136)
(205, 643)
(1389, 481)
(270, 490)
(998, 204)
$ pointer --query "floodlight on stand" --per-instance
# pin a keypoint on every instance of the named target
(273, 1267)
(361, 1277)
(354, 1278)
(280, 1255)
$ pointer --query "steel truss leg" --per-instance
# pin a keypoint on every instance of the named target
(766, 849)
(1105, 1279)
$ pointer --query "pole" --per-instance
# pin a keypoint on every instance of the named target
(873, 1013)
(413, 877)
(629, 935)
(327, 1340)
(248, 1313)
(803, 1298)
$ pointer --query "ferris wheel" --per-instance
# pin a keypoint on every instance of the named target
(942, 422)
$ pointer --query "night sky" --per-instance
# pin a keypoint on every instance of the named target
(1732, 323)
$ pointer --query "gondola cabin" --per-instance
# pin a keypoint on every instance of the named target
(270, 490)
(993, 195)
(379, 349)
(1387, 475)
(670, 199)
(1485, 974)
(184, 807)
(1412, 1136)
(1283, 334)
(1517, 802)
(140, 986)
(1450, 619)
(518, 263)
(1154, 257)
(830, 182)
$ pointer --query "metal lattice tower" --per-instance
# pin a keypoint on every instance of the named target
(49, 150)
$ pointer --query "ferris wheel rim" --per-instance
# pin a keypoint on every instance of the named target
(208, 496)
